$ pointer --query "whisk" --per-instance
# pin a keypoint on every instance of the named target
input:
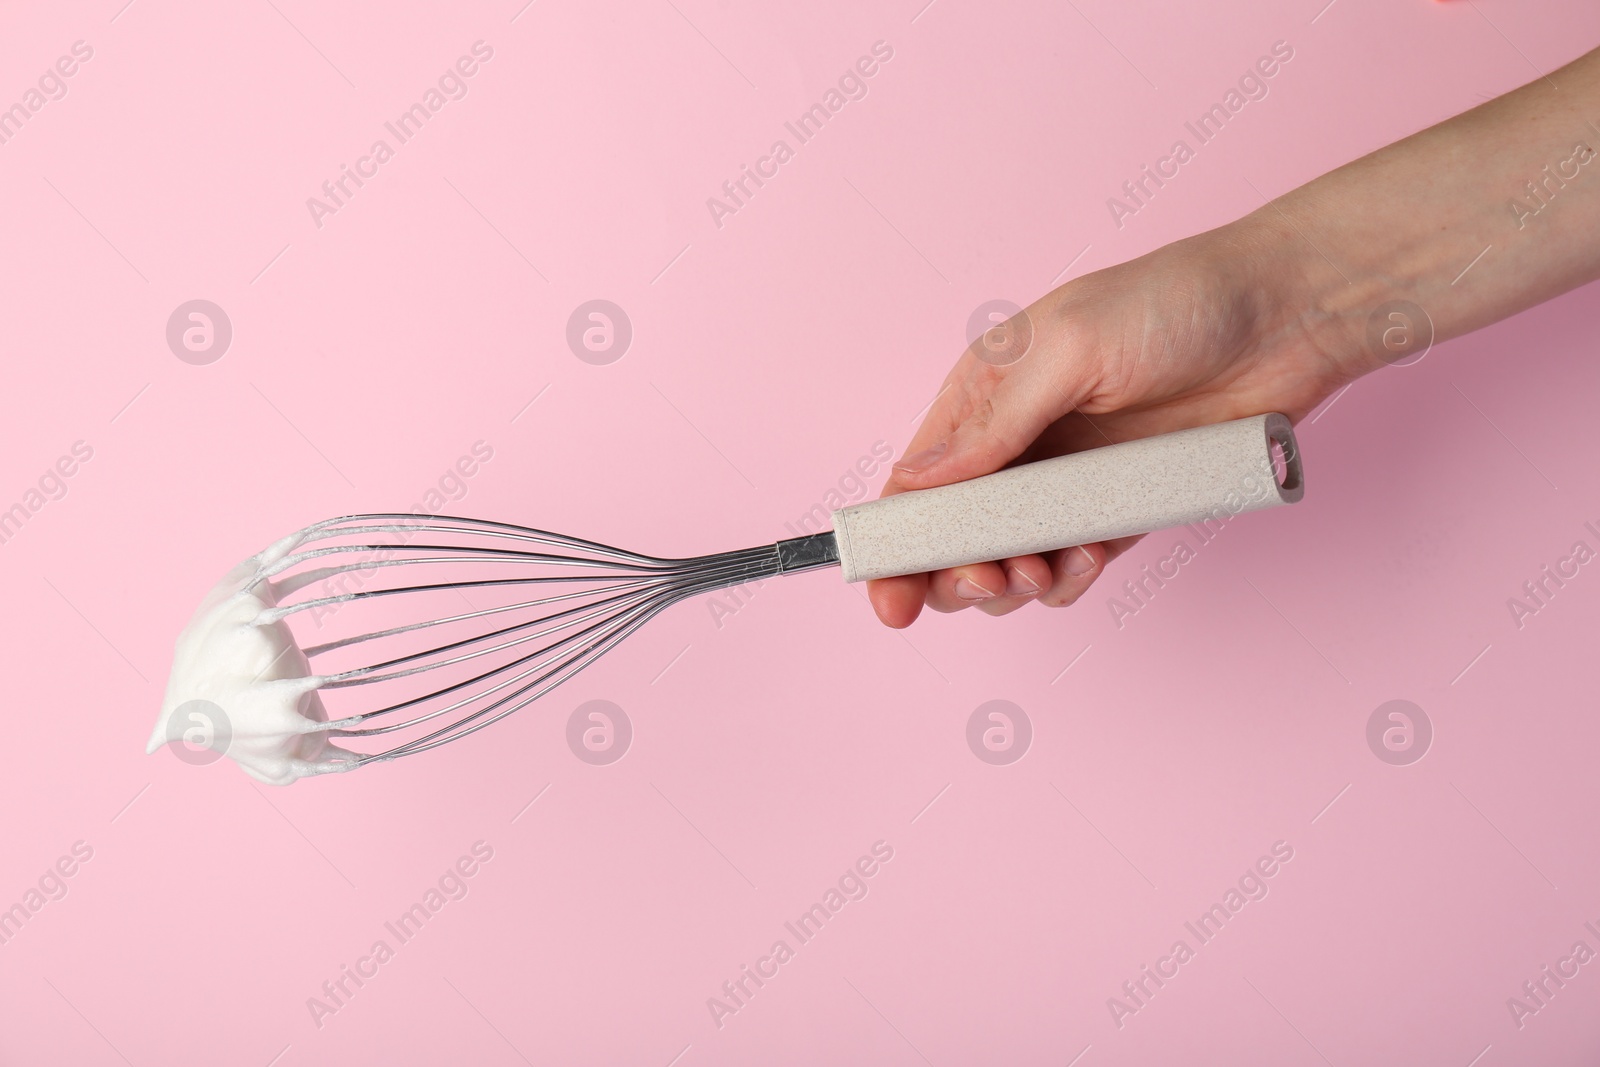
(561, 604)
(421, 630)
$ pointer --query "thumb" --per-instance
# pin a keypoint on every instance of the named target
(997, 428)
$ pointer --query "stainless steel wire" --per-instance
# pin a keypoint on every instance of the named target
(372, 600)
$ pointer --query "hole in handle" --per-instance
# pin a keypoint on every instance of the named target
(1285, 468)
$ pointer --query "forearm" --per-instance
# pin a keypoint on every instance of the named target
(1471, 220)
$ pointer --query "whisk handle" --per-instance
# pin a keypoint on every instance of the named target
(1204, 474)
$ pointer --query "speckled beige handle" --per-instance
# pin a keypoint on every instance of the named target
(1205, 473)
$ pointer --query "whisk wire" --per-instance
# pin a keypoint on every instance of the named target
(597, 596)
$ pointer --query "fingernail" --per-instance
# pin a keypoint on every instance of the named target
(1079, 562)
(1019, 584)
(967, 589)
(918, 461)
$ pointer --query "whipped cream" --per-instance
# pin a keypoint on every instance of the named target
(241, 686)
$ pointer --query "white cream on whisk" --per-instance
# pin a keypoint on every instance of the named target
(242, 687)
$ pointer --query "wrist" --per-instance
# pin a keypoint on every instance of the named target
(1361, 296)
(1433, 236)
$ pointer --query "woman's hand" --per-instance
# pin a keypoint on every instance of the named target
(1271, 313)
(1209, 329)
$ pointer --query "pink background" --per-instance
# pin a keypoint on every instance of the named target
(768, 356)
